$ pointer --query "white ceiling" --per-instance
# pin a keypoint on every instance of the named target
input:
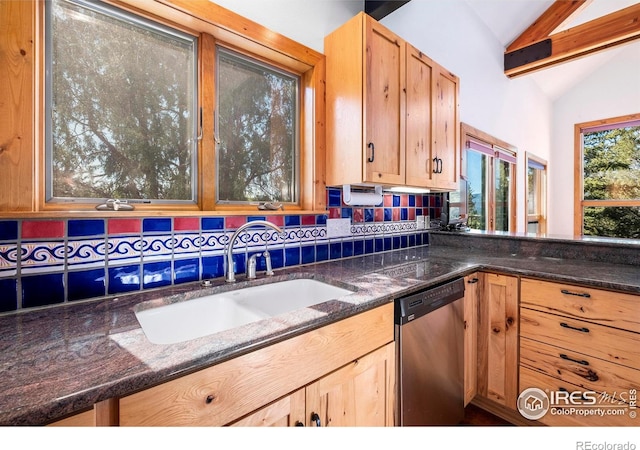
(507, 19)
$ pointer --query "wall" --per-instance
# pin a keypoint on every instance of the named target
(611, 91)
(49, 262)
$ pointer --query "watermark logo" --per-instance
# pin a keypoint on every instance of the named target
(533, 403)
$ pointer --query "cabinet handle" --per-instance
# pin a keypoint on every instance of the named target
(439, 165)
(583, 362)
(435, 165)
(566, 325)
(299, 424)
(473, 281)
(579, 294)
(373, 151)
(316, 418)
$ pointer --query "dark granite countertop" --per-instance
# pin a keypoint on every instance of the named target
(62, 360)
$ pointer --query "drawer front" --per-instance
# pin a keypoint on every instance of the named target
(595, 305)
(603, 413)
(232, 389)
(610, 344)
(581, 370)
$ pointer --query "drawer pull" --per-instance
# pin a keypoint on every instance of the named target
(299, 424)
(316, 418)
(583, 329)
(473, 281)
(578, 294)
(583, 362)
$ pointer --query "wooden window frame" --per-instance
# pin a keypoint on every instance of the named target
(578, 175)
(471, 133)
(541, 195)
(22, 192)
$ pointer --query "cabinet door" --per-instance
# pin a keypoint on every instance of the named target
(419, 115)
(446, 131)
(498, 339)
(286, 412)
(358, 394)
(471, 295)
(384, 145)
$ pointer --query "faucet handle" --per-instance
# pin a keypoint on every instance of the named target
(267, 260)
(251, 266)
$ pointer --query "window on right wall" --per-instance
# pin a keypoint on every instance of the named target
(607, 179)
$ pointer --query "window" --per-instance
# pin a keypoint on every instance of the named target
(122, 106)
(175, 108)
(489, 170)
(536, 195)
(607, 185)
(257, 127)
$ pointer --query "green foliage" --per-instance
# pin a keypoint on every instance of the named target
(122, 109)
(612, 172)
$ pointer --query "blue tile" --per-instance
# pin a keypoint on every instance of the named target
(335, 250)
(8, 230)
(239, 263)
(156, 224)
(438, 200)
(292, 256)
(412, 200)
(308, 254)
(124, 279)
(425, 238)
(42, 290)
(212, 223)
(156, 274)
(322, 252)
(8, 295)
(212, 266)
(368, 215)
(277, 258)
(418, 238)
(86, 284)
(388, 243)
(396, 200)
(346, 213)
(379, 245)
(291, 221)
(395, 242)
(404, 241)
(404, 214)
(321, 219)
(254, 218)
(368, 246)
(347, 249)
(412, 240)
(335, 197)
(418, 211)
(358, 247)
(93, 227)
(388, 215)
(186, 270)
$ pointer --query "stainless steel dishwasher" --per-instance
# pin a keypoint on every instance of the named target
(429, 333)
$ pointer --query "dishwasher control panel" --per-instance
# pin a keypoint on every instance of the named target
(423, 302)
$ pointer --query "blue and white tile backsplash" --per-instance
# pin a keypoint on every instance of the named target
(53, 261)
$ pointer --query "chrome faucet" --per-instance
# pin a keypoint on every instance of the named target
(230, 272)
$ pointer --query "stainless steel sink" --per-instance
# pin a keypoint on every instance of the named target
(202, 316)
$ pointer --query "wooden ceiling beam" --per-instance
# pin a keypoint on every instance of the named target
(611, 30)
(557, 14)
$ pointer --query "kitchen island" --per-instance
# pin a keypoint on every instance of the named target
(61, 360)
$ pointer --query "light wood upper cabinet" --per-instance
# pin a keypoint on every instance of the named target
(392, 112)
(498, 339)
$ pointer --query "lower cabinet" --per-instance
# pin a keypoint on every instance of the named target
(472, 292)
(498, 339)
(340, 374)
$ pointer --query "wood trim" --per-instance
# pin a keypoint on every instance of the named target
(107, 413)
(18, 58)
(599, 34)
(558, 13)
